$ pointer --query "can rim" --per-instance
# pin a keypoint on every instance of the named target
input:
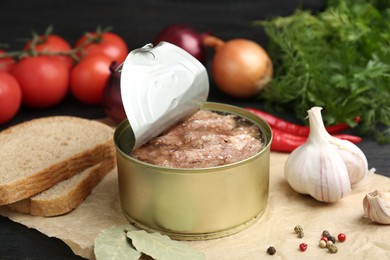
(214, 106)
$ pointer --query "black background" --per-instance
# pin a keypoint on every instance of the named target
(138, 22)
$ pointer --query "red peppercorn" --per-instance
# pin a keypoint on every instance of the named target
(303, 247)
(324, 238)
(341, 237)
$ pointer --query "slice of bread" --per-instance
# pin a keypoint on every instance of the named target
(65, 195)
(37, 154)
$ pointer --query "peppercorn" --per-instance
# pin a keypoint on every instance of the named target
(329, 243)
(303, 247)
(341, 237)
(332, 238)
(298, 229)
(271, 250)
(325, 233)
(332, 249)
(324, 238)
(322, 243)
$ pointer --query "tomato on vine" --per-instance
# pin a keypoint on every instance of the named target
(10, 97)
(89, 77)
(43, 79)
(100, 42)
(53, 45)
(6, 63)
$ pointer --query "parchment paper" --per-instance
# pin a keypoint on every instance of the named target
(286, 208)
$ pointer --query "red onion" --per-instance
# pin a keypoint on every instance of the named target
(186, 38)
(112, 100)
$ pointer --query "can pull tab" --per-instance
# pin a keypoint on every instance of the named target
(143, 50)
(159, 86)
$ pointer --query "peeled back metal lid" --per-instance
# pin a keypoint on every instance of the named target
(159, 86)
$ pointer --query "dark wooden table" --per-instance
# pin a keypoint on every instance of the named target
(138, 23)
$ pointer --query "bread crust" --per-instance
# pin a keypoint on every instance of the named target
(58, 204)
(63, 169)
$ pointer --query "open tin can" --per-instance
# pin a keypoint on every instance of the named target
(194, 203)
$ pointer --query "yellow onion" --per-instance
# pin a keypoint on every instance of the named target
(240, 67)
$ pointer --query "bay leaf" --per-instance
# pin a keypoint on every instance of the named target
(161, 247)
(113, 244)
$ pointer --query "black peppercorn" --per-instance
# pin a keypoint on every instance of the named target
(271, 250)
(326, 233)
(332, 238)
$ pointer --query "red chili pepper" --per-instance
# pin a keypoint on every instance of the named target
(286, 142)
(339, 127)
(352, 138)
(278, 123)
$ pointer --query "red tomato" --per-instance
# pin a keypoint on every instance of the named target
(107, 43)
(52, 43)
(7, 63)
(89, 77)
(10, 97)
(44, 80)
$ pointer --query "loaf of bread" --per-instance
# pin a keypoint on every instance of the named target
(65, 195)
(37, 154)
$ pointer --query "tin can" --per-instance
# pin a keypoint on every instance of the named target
(194, 204)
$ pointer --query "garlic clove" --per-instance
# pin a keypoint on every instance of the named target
(354, 159)
(315, 168)
(376, 206)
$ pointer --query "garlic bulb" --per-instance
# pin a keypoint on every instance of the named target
(353, 157)
(316, 168)
(376, 206)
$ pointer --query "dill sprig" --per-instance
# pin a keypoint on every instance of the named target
(338, 59)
